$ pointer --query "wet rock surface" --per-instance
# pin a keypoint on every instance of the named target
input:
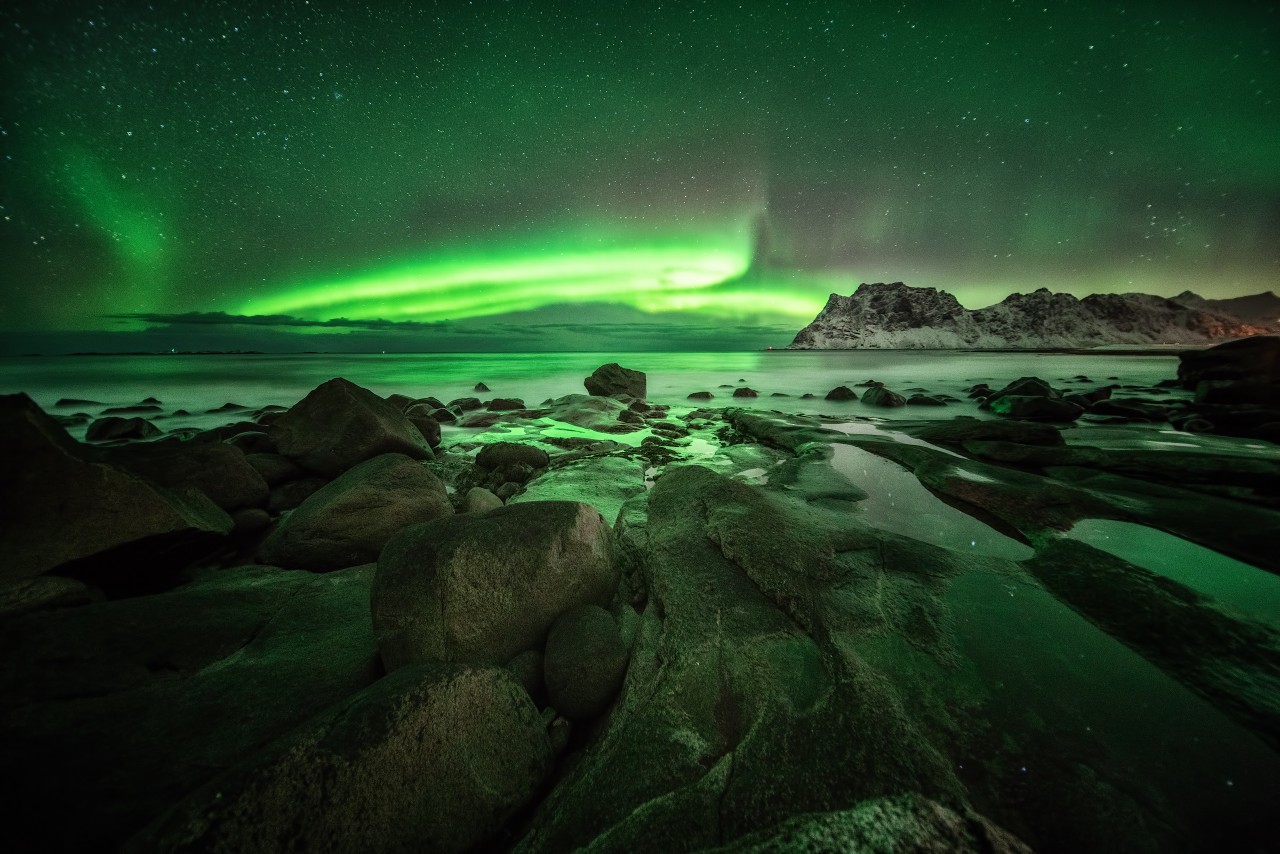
(648, 628)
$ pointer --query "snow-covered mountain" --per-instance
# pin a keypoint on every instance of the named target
(897, 316)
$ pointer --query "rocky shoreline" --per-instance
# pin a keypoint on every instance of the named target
(605, 623)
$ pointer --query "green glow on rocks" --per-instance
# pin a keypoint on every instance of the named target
(702, 275)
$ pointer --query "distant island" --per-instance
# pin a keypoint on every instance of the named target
(898, 316)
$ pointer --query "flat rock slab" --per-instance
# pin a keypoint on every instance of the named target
(604, 482)
(116, 710)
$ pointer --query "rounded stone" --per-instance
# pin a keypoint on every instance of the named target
(584, 662)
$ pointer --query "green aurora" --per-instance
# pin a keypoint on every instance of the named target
(703, 164)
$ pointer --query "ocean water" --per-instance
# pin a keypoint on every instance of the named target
(200, 383)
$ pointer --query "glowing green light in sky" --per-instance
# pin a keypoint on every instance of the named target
(128, 220)
(658, 276)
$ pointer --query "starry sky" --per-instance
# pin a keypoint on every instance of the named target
(677, 175)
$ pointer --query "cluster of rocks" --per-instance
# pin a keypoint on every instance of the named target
(1236, 386)
(331, 627)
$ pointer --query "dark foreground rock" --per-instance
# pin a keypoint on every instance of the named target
(339, 424)
(483, 587)
(59, 508)
(431, 758)
(1255, 359)
(217, 469)
(881, 396)
(348, 521)
(116, 710)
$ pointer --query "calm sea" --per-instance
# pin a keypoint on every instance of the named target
(200, 383)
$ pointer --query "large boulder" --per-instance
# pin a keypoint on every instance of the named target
(434, 757)
(584, 662)
(612, 379)
(116, 710)
(483, 587)
(217, 469)
(348, 521)
(842, 392)
(58, 506)
(340, 424)
(1255, 359)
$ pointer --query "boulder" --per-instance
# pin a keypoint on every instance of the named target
(500, 454)
(114, 428)
(431, 758)
(59, 506)
(1255, 359)
(467, 404)
(289, 495)
(505, 404)
(881, 396)
(428, 427)
(745, 392)
(612, 379)
(252, 442)
(481, 387)
(701, 395)
(481, 588)
(339, 424)
(349, 520)
(925, 400)
(219, 470)
(478, 500)
(842, 392)
(275, 469)
(584, 662)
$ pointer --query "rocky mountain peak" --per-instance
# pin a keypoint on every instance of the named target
(895, 315)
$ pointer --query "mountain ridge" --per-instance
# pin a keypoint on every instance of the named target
(898, 316)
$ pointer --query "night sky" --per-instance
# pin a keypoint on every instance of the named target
(682, 175)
